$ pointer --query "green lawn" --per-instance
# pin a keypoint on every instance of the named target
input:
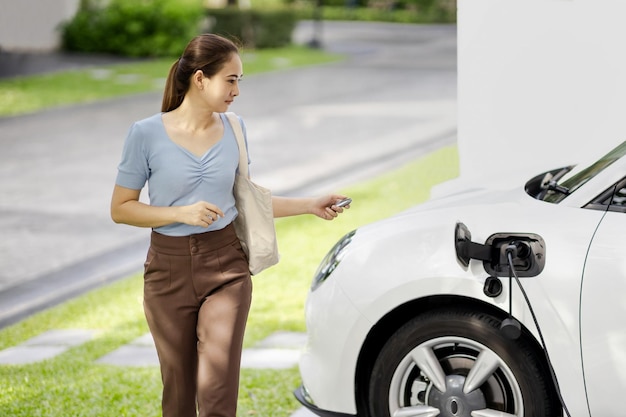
(33, 93)
(73, 385)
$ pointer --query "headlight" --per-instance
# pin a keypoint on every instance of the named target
(331, 260)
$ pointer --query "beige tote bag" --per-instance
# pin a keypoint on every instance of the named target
(255, 223)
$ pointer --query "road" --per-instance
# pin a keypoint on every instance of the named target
(310, 130)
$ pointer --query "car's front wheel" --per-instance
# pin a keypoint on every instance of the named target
(458, 364)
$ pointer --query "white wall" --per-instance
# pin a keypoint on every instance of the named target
(31, 25)
(542, 83)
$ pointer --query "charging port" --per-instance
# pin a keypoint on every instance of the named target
(527, 250)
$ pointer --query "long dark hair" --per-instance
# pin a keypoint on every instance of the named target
(207, 52)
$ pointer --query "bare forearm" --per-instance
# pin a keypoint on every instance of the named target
(139, 214)
(291, 206)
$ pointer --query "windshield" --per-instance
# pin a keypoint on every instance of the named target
(570, 183)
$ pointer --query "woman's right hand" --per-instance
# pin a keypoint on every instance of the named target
(127, 209)
(200, 214)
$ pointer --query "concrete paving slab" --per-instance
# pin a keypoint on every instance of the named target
(145, 340)
(131, 355)
(291, 340)
(61, 337)
(22, 355)
(44, 346)
(269, 358)
(139, 352)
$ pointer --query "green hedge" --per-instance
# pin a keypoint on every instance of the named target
(399, 11)
(254, 28)
(365, 14)
(159, 28)
(137, 28)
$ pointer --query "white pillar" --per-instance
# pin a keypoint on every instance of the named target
(542, 83)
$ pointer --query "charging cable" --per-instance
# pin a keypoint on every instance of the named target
(511, 252)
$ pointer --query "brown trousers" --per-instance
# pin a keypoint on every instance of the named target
(197, 293)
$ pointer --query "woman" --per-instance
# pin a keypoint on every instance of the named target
(197, 286)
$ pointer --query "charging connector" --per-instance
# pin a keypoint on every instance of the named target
(518, 249)
(511, 250)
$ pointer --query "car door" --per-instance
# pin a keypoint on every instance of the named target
(603, 309)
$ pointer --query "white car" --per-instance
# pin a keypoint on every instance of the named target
(482, 304)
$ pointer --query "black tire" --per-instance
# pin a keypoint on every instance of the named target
(439, 349)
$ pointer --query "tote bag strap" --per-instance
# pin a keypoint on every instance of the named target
(235, 123)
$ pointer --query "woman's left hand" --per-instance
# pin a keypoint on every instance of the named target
(325, 208)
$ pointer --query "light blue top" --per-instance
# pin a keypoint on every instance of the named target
(177, 177)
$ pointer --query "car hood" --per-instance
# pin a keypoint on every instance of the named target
(484, 205)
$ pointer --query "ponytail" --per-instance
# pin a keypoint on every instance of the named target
(171, 96)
